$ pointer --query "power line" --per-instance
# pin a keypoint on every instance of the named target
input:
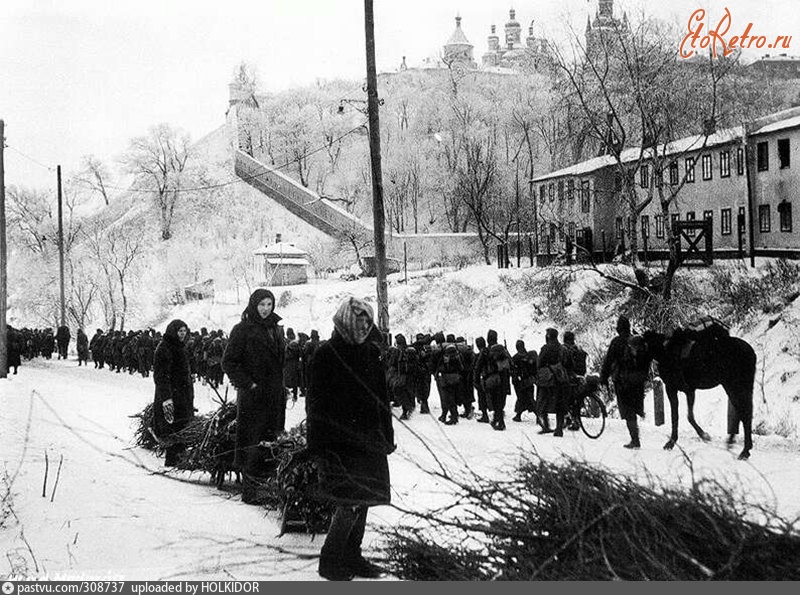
(236, 180)
(40, 164)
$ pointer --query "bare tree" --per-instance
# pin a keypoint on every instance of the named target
(116, 249)
(632, 90)
(158, 161)
(94, 175)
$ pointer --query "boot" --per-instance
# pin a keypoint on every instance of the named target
(544, 421)
(633, 430)
(333, 570)
(517, 417)
(404, 416)
(423, 407)
(559, 426)
(484, 418)
(499, 423)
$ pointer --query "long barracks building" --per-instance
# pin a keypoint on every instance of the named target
(583, 202)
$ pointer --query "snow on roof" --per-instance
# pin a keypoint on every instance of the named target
(779, 125)
(292, 261)
(285, 249)
(682, 145)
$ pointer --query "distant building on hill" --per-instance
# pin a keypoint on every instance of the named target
(780, 66)
(281, 263)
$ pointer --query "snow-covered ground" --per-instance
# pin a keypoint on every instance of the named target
(109, 509)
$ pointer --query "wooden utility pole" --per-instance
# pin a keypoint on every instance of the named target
(377, 180)
(3, 256)
(61, 248)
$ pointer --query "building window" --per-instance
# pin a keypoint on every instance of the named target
(618, 228)
(659, 177)
(739, 161)
(742, 220)
(689, 168)
(785, 215)
(542, 192)
(673, 221)
(551, 191)
(659, 226)
(552, 233)
(783, 152)
(585, 196)
(560, 190)
(571, 230)
(724, 164)
(645, 226)
(708, 167)
(763, 156)
(644, 176)
(673, 173)
(725, 222)
(570, 189)
(709, 216)
(763, 219)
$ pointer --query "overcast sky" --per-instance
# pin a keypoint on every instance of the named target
(83, 77)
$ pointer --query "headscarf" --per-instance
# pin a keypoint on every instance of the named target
(172, 329)
(250, 314)
(345, 318)
(551, 335)
(491, 337)
(569, 338)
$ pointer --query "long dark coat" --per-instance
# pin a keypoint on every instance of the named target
(549, 397)
(291, 364)
(630, 395)
(254, 354)
(350, 422)
(82, 344)
(173, 380)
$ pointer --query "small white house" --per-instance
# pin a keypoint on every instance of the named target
(281, 263)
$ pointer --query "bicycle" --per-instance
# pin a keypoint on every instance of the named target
(589, 409)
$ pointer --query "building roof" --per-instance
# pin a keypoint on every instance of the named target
(294, 261)
(682, 145)
(283, 250)
(458, 37)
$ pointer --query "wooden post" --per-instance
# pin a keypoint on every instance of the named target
(3, 255)
(658, 402)
(378, 216)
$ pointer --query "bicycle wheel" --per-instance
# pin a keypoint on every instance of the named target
(593, 416)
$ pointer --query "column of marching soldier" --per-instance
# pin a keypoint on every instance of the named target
(473, 381)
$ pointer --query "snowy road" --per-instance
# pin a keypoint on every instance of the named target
(115, 514)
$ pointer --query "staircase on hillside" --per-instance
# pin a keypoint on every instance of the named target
(299, 200)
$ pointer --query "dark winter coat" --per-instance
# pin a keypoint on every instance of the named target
(82, 344)
(173, 380)
(291, 364)
(254, 355)
(350, 422)
(14, 347)
(550, 354)
(630, 395)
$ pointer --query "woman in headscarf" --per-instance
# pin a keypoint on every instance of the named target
(350, 431)
(173, 404)
(253, 361)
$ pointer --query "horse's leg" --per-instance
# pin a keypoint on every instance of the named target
(733, 421)
(690, 415)
(672, 395)
(744, 407)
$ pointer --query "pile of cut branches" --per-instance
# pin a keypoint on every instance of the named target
(292, 490)
(573, 521)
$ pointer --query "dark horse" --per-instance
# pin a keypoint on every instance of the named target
(691, 360)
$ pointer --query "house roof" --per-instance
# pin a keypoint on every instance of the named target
(629, 155)
(281, 249)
